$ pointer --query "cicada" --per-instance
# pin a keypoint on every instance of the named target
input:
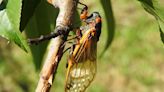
(81, 68)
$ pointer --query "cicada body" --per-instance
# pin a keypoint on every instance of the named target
(81, 68)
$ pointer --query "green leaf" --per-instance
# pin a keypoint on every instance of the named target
(153, 7)
(42, 22)
(9, 23)
(28, 8)
(106, 4)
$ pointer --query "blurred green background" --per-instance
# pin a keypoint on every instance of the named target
(134, 61)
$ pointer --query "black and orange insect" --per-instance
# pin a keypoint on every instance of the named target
(81, 68)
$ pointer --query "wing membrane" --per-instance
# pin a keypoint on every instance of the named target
(83, 69)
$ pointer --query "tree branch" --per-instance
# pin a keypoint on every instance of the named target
(63, 22)
(42, 38)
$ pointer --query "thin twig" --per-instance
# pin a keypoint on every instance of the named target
(42, 38)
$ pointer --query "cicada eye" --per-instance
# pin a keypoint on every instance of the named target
(89, 17)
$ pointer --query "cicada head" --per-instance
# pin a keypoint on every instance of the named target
(95, 20)
(93, 17)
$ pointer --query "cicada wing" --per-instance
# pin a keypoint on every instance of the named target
(83, 71)
(80, 76)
